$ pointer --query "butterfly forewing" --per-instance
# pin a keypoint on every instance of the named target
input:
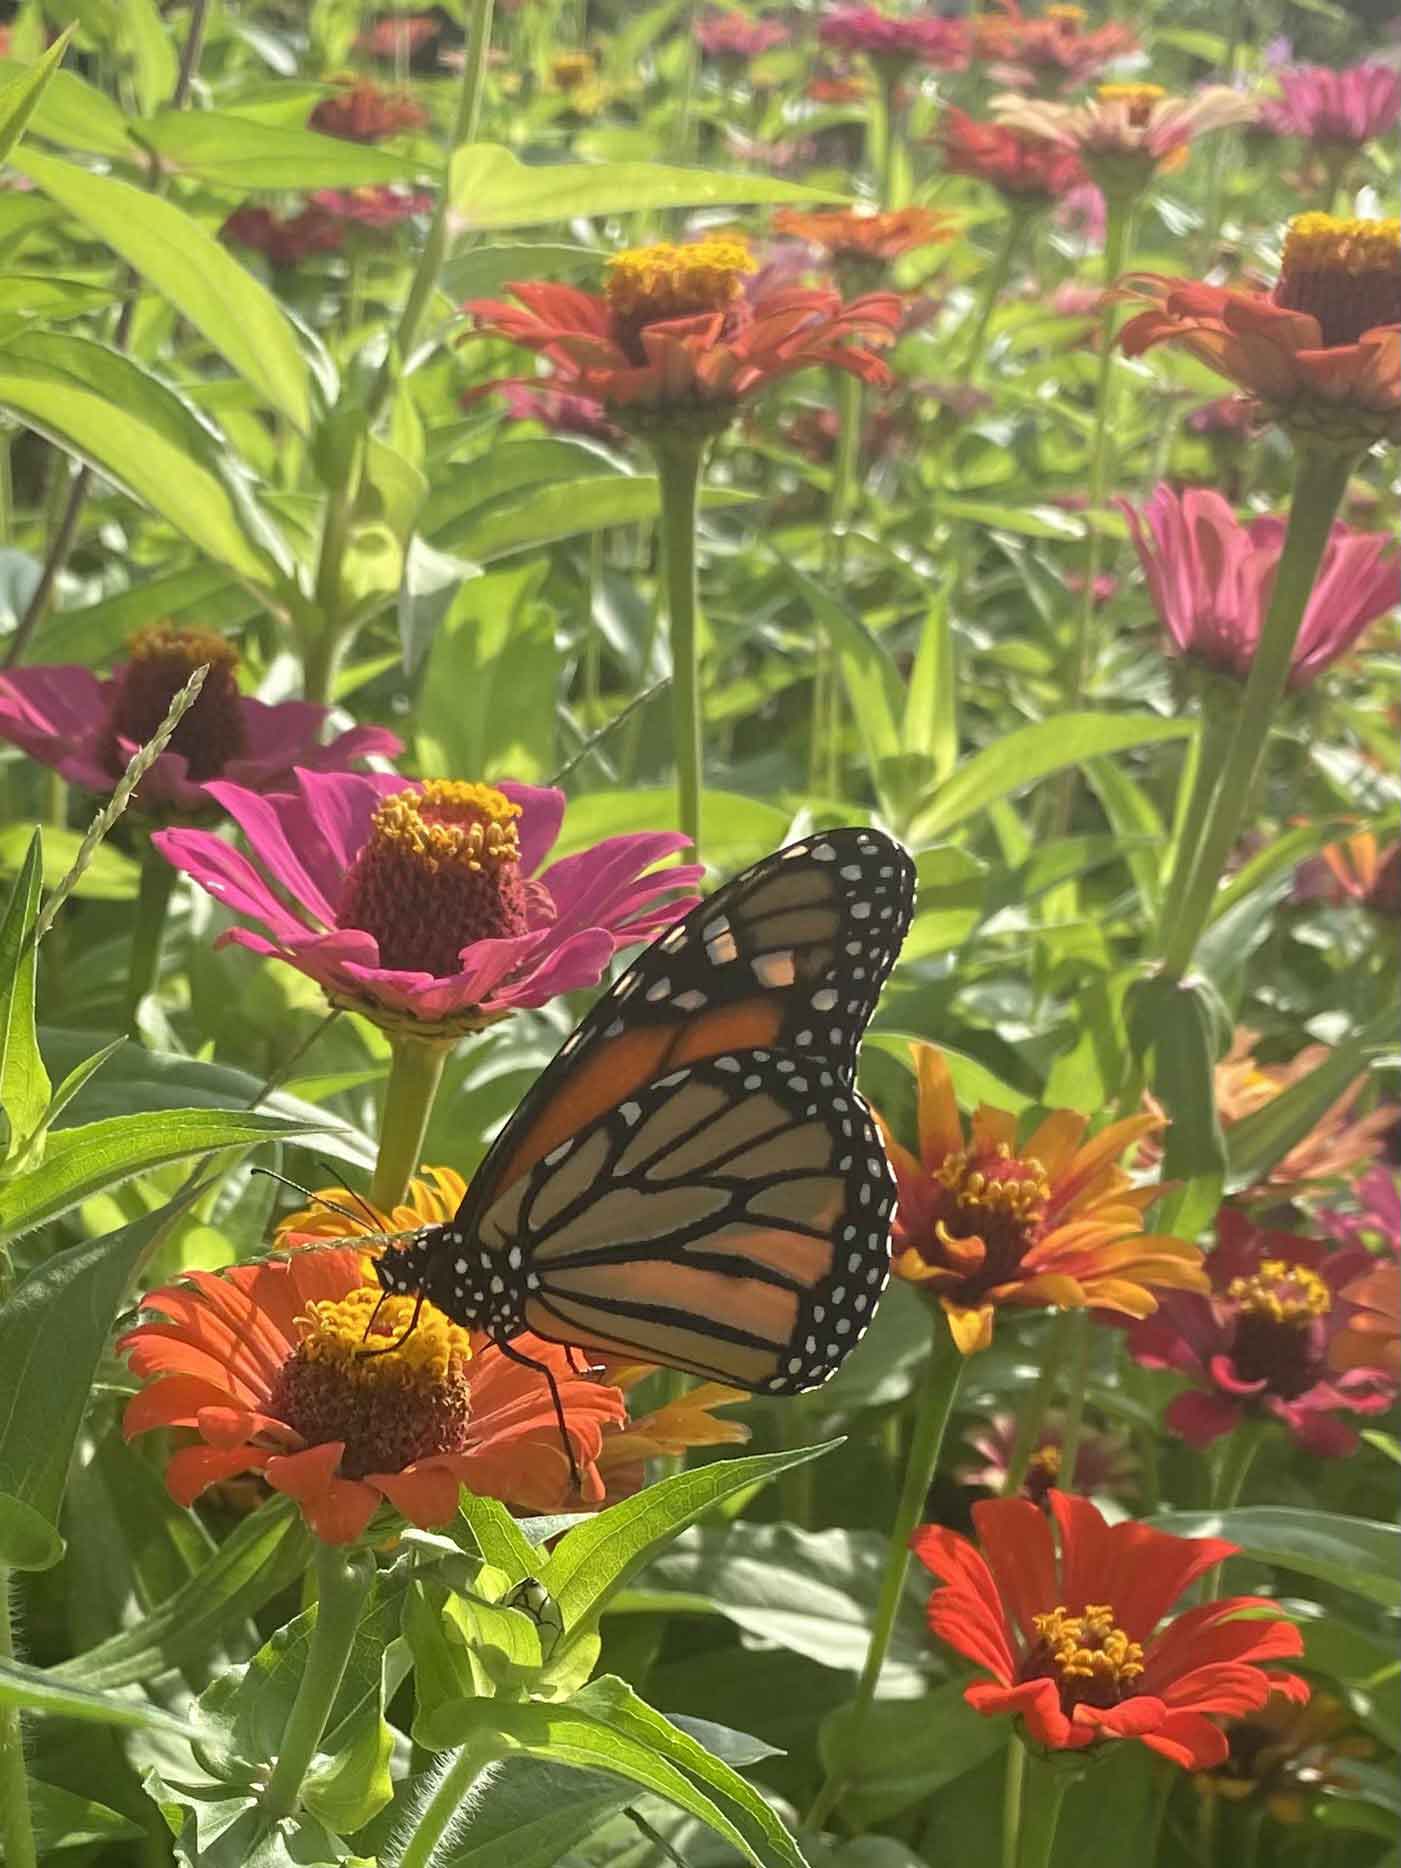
(730, 1219)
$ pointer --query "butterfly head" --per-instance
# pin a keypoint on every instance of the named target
(406, 1269)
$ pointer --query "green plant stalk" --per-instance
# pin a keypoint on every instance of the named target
(888, 168)
(994, 279)
(1118, 228)
(154, 891)
(1077, 1334)
(824, 753)
(1013, 1789)
(1029, 1424)
(679, 461)
(415, 1071)
(1047, 1782)
(1320, 480)
(941, 1383)
(1228, 1482)
(16, 1821)
(1201, 773)
(464, 1767)
(343, 1581)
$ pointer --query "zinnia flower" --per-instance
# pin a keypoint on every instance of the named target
(861, 243)
(1104, 1462)
(372, 208)
(1077, 1642)
(1371, 1215)
(1261, 1343)
(89, 729)
(1322, 352)
(1055, 47)
(1366, 872)
(364, 113)
(1336, 109)
(556, 409)
(1210, 578)
(284, 241)
(675, 331)
(1127, 131)
(400, 36)
(735, 36)
(895, 43)
(1371, 1337)
(1024, 169)
(266, 1364)
(985, 1220)
(423, 905)
(1285, 1756)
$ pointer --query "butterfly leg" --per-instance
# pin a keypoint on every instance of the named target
(541, 1368)
(389, 1348)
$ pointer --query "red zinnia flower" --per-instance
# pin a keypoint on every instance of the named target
(895, 42)
(373, 208)
(1322, 352)
(1262, 1341)
(284, 241)
(1021, 167)
(1076, 1640)
(363, 113)
(399, 36)
(675, 330)
(265, 1363)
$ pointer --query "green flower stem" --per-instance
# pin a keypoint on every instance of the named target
(154, 891)
(1118, 228)
(995, 277)
(941, 1382)
(1013, 1788)
(1047, 1781)
(1077, 1336)
(824, 750)
(1232, 1469)
(1201, 773)
(343, 1582)
(16, 1822)
(1029, 1423)
(1320, 481)
(679, 461)
(322, 658)
(887, 168)
(463, 1769)
(415, 1071)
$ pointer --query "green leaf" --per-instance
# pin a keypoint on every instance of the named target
(1027, 521)
(1135, 820)
(187, 266)
(931, 700)
(24, 1082)
(35, 1691)
(542, 515)
(907, 1749)
(20, 96)
(528, 1814)
(1259, 1141)
(489, 694)
(110, 875)
(150, 45)
(590, 1565)
(233, 151)
(1032, 753)
(488, 186)
(70, 111)
(1354, 1553)
(499, 1538)
(65, 1821)
(94, 1157)
(267, 1551)
(483, 271)
(1172, 1030)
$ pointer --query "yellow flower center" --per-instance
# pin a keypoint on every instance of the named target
(1012, 1186)
(1282, 1292)
(161, 660)
(1047, 1460)
(1066, 15)
(439, 870)
(570, 70)
(1093, 1658)
(1344, 272)
(389, 1408)
(1140, 98)
(648, 284)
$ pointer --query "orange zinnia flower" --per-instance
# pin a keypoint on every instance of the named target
(1288, 1756)
(985, 1220)
(1372, 1339)
(676, 337)
(1366, 872)
(1077, 1642)
(860, 244)
(267, 1364)
(1322, 352)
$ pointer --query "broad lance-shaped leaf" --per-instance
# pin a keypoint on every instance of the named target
(1173, 1028)
(239, 152)
(33, 1690)
(1354, 1553)
(53, 1330)
(187, 266)
(24, 1082)
(97, 1156)
(22, 95)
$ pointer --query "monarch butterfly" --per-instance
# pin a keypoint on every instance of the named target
(694, 1180)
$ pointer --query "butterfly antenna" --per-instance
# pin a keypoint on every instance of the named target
(351, 1194)
(541, 1368)
(317, 1199)
(389, 1348)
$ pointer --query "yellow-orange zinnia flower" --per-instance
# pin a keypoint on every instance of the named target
(986, 1219)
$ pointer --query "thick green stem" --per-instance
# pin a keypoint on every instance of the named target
(1118, 227)
(1047, 1781)
(463, 1769)
(1201, 773)
(941, 1382)
(995, 277)
(343, 1579)
(1013, 1789)
(16, 1822)
(415, 1071)
(152, 904)
(1320, 481)
(322, 664)
(1077, 1335)
(679, 462)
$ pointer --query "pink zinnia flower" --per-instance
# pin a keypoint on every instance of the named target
(1127, 120)
(1210, 579)
(1260, 1343)
(732, 35)
(88, 729)
(374, 208)
(1103, 1461)
(557, 409)
(1372, 1214)
(424, 903)
(854, 28)
(1339, 108)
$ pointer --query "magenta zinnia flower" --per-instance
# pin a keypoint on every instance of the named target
(372, 207)
(88, 729)
(1339, 108)
(732, 35)
(1210, 578)
(926, 41)
(423, 903)
(1259, 1344)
